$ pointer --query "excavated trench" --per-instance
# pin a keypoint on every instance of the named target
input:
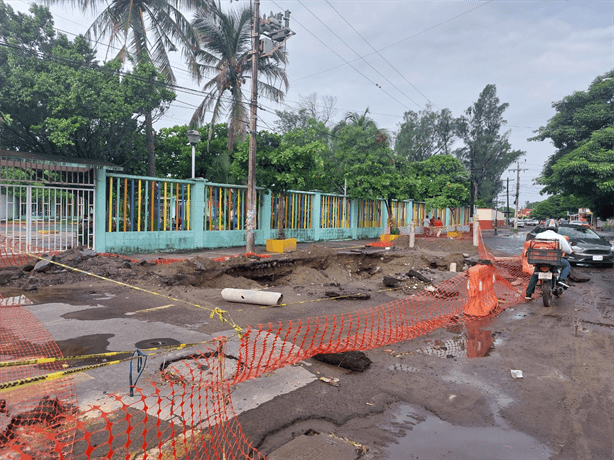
(279, 272)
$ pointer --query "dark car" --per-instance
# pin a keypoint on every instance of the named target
(588, 246)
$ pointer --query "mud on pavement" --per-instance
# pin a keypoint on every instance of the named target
(454, 382)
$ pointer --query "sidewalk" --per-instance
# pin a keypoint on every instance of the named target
(240, 250)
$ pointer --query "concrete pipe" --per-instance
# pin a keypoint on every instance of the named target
(254, 297)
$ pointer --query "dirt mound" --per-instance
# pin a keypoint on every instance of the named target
(316, 265)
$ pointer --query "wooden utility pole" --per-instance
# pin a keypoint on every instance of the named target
(507, 210)
(517, 193)
(472, 190)
(250, 223)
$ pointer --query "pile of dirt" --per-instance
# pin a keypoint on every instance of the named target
(316, 265)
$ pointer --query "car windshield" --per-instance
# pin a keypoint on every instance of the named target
(579, 232)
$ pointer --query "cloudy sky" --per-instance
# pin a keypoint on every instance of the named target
(393, 56)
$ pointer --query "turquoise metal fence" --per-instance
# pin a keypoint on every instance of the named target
(145, 214)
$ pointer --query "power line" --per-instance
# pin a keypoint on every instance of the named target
(358, 54)
(380, 55)
(395, 43)
(341, 57)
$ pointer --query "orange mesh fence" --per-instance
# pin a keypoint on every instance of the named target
(13, 253)
(183, 408)
(39, 418)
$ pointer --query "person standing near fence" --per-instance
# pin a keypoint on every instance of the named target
(439, 226)
(427, 226)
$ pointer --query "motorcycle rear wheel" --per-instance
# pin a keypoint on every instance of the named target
(547, 292)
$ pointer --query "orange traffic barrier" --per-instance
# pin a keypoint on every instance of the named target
(482, 297)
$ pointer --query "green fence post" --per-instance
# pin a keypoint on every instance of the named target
(316, 216)
(354, 218)
(197, 213)
(100, 200)
(264, 219)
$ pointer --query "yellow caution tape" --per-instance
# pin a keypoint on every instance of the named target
(222, 317)
(4, 386)
(34, 361)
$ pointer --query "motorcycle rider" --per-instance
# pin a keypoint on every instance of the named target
(551, 233)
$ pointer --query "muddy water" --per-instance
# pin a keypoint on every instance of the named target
(428, 437)
(512, 243)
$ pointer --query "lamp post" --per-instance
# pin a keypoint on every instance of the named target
(193, 138)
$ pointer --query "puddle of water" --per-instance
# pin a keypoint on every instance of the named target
(104, 296)
(450, 348)
(429, 437)
(474, 343)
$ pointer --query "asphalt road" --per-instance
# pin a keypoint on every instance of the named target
(423, 398)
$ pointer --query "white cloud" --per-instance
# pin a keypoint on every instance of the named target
(535, 52)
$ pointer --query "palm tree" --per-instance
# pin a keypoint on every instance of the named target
(146, 31)
(224, 56)
(354, 118)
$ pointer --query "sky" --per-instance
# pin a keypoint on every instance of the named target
(393, 56)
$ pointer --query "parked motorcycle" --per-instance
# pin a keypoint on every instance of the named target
(546, 256)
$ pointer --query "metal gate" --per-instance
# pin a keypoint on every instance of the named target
(47, 207)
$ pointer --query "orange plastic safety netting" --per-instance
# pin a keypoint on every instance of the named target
(185, 409)
(14, 253)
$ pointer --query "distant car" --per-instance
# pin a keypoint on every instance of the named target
(588, 246)
(531, 222)
(579, 222)
(520, 223)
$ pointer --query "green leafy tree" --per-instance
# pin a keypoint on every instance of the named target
(61, 102)
(557, 206)
(174, 154)
(350, 139)
(362, 157)
(224, 55)
(425, 133)
(282, 164)
(487, 152)
(582, 133)
(145, 32)
(360, 120)
(442, 182)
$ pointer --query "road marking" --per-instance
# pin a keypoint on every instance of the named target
(147, 310)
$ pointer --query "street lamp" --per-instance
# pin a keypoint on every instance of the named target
(193, 138)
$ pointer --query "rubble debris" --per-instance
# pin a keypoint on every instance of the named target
(352, 360)
(44, 264)
(421, 277)
(578, 278)
(516, 374)
(48, 410)
(391, 281)
(334, 381)
(340, 295)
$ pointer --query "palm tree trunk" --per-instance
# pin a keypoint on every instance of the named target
(149, 140)
(231, 136)
(390, 220)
